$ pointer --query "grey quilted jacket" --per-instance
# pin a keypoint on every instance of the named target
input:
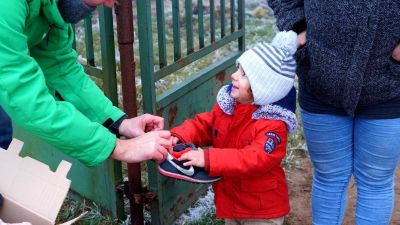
(347, 59)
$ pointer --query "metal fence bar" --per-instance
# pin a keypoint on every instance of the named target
(233, 24)
(74, 41)
(241, 26)
(197, 55)
(108, 51)
(189, 26)
(89, 41)
(200, 22)
(146, 54)
(162, 48)
(110, 81)
(212, 21)
(222, 8)
(176, 32)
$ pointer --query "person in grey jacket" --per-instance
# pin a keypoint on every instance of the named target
(349, 93)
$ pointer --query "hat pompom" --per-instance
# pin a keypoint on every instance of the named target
(286, 40)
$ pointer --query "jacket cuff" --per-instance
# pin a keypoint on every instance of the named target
(206, 160)
(113, 126)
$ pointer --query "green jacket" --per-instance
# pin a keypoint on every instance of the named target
(36, 59)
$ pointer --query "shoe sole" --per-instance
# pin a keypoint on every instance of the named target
(185, 178)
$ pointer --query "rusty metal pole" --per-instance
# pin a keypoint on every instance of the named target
(124, 13)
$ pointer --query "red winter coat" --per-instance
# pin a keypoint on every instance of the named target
(247, 154)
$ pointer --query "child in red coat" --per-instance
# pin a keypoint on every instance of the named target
(248, 129)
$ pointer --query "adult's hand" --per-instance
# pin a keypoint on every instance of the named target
(175, 140)
(108, 3)
(139, 125)
(301, 39)
(152, 145)
(396, 53)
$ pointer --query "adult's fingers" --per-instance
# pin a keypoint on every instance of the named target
(157, 156)
(162, 150)
(156, 122)
(166, 142)
(164, 134)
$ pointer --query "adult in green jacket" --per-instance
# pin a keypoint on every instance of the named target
(37, 60)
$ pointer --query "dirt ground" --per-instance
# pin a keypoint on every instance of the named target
(300, 179)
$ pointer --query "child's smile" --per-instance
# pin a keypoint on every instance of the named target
(241, 90)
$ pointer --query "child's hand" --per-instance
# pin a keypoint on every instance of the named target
(195, 158)
(396, 53)
(302, 39)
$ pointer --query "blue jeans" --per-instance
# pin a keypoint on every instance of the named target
(5, 129)
(341, 146)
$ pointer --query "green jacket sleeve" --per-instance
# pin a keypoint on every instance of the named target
(65, 74)
(26, 98)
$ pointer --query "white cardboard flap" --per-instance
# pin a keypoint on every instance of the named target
(63, 168)
(31, 185)
(15, 146)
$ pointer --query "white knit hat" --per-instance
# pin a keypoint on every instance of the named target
(271, 67)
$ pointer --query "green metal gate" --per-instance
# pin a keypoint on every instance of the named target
(198, 91)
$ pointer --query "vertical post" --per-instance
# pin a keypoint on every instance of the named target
(147, 74)
(110, 83)
(162, 49)
(201, 23)
(175, 28)
(241, 24)
(146, 55)
(124, 13)
(212, 21)
(233, 24)
(222, 10)
(89, 41)
(189, 27)
(108, 54)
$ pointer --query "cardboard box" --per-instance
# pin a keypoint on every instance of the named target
(32, 192)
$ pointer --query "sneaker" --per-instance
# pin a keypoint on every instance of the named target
(172, 167)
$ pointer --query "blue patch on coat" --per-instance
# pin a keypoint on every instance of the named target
(273, 135)
(272, 141)
(269, 145)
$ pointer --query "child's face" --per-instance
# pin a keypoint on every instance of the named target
(241, 90)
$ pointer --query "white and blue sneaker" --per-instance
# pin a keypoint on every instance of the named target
(174, 168)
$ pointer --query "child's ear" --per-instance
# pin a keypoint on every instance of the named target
(250, 92)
